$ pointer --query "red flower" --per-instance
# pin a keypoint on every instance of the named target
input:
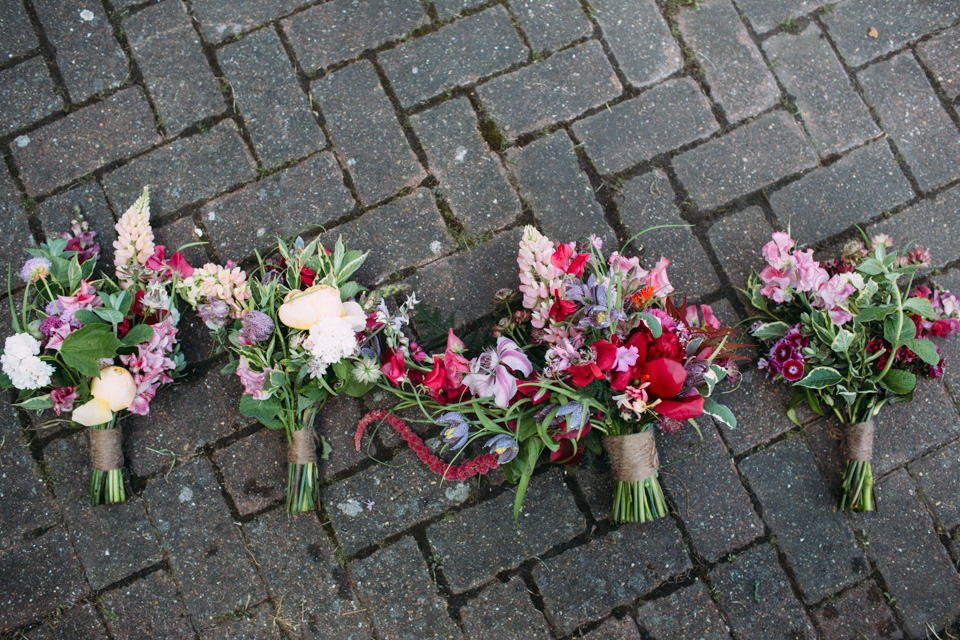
(530, 388)
(584, 374)
(180, 265)
(682, 409)
(606, 354)
(436, 378)
(566, 454)
(307, 276)
(561, 260)
(561, 308)
(666, 377)
(395, 369)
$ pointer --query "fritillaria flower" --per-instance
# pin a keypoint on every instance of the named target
(504, 447)
(457, 430)
(215, 313)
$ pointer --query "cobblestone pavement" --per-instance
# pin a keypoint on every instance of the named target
(429, 132)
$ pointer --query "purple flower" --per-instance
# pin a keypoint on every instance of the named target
(457, 429)
(252, 382)
(49, 325)
(574, 412)
(83, 243)
(257, 327)
(504, 447)
(35, 269)
(215, 313)
(490, 373)
(63, 399)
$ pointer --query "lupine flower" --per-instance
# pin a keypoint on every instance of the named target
(35, 269)
(134, 243)
(457, 430)
(257, 328)
(213, 282)
(490, 373)
(252, 381)
(504, 447)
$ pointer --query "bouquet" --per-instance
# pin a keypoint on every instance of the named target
(92, 348)
(294, 334)
(848, 336)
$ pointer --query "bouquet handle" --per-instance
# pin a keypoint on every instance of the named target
(858, 474)
(106, 457)
(303, 487)
(638, 496)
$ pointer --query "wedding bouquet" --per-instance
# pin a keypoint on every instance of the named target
(848, 336)
(293, 332)
(74, 333)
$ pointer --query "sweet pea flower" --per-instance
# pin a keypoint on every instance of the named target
(810, 275)
(252, 381)
(63, 399)
(85, 298)
(626, 358)
(657, 278)
(455, 364)
(776, 252)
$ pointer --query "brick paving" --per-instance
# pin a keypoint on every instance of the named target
(430, 131)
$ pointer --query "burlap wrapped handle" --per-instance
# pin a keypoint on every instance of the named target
(105, 449)
(633, 457)
(303, 447)
(858, 441)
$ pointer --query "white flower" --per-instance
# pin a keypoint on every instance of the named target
(21, 364)
(316, 368)
(331, 340)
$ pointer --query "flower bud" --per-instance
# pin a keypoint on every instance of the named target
(115, 386)
(93, 413)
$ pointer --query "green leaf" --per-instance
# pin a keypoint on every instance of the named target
(921, 307)
(907, 330)
(74, 274)
(899, 382)
(84, 348)
(871, 267)
(842, 341)
(37, 403)
(87, 317)
(263, 411)
(356, 389)
(110, 315)
(720, 413)
(137, 334)
(230, 367)
(770, 331)
(820, 377)
(871, 314)
(653, 324)
(923, 348)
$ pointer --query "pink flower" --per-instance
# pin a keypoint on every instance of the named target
(657, 278)
(86, 298)
(834, 293)
(626, 358)
(491, 372)
(63, 399)
(252, 382)
(810, 275)
(776, 251)
(622, 264)
(59, 335)
(709, 319)
(777, 285)
(456, 365)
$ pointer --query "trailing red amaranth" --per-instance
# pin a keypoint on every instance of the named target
(479, 465)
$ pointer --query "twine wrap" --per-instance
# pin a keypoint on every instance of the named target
(633, 457)
(303, 447)
(858, 441)
(105, 449)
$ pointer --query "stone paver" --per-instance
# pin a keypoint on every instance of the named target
(562, 86)
(18, 35)
(274, 108)
(615, 629)
(737, 240)
(834, 115)
(859, 613)
(667, 116)
(939, 55)
(855, 189)
(15, 227)
(504, 611)
(755, 594)
(761, 415)
(85, 140)
(366, 133)
(765, 15)
(447, 9)
(147, 608)
(936, 473)
(472, 178)
(549, 516)
(57, 213)
(335, 31)
(551, 24)
(26, 94)
(179, 233)
(639, 38)
(80, 621)
(732, 65)
(396, 587)
(221, 20)
(928, 223)
(896, 24)
(635, 558)
(253, 623)
(169, 54)
(750, 158)
(916, 567)
(557, 190)
(458, 54)
(301, 199)
(255, 470)
(337, 423)
(912, 114)
(685, 613)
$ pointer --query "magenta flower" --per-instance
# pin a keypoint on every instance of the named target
(793, 370)
(491, 373)
(63, 399)
(252, 382)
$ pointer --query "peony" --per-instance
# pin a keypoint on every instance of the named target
(115, 386)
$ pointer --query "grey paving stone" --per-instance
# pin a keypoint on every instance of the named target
(504, 611)
(458, 54)
(950, 281)
(597, 484)
(667, 116)
(755, 594)
(732, 65)
(551, 24)
(737, 240)
(557, 190)
(77, 623)
(56, 214)
(492, 265)
(173, 65)
(915, 566)
(366, 133)
(27, 502)
(180, 233)
(472, 177)
(835, 116)
(639, 38)
(337, 423)
(26, 94)
(937, 473)
(615, 629)
(255, 470)
(549, 517)
(38, 577)
(220, 20)
(858, 187)
(648, 201)
(147, 608)
(206, 553)
(184, 172)
(14, 226)
(84, 140)
(340, 30)
(268, 95)
(447, 9)
(417, 235)
(255, 623)
(800, 510)
(749, 158)
(183, 419)
(766, 15)
(296, 200)
(88, 56)
(303, 574)
(859, 613)
(686, 613)
(939, 55)
(929, 223)
(112, 541)
(897, 23)
(635, 558)
(556, 89)
(403, 601)
(18, 35)
(760, 408)
(706, 491)
(913, 116)
(402, 495)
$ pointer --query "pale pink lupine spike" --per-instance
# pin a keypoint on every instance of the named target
(135, 241)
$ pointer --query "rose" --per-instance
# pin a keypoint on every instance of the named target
(303, 309)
